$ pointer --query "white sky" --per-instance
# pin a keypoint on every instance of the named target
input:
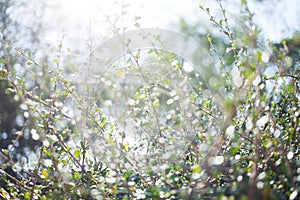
(81, 15)
(278, 20)
(76, 17)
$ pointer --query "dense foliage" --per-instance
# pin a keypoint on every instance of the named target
(146, 126)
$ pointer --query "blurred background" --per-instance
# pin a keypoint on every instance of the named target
(70, 29)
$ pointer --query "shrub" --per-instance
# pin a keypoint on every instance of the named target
(126, 131)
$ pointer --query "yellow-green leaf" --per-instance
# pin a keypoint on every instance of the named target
(45, 173)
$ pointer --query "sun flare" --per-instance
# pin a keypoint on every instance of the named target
(88, 10)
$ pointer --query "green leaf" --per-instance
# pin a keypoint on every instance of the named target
(56, 61)
(5, 151)
(3, 61)
(209, 38)
(221, 22)
(128, 174)
(156, 102)
(3, 73)
(45, 173)
(77, 154)
(9, 91)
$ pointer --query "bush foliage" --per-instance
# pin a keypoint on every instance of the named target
(145, 127)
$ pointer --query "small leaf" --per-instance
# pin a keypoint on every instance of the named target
(3, 61)
(125, 145)
(156, 102)
(137, 17)
(3, 73)
(209, 38)
(137, 25)
(5, 151)
(4, 194)
(221, 22)
(45, 173)
(196, 169)
(77, 154)
(55, 61)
